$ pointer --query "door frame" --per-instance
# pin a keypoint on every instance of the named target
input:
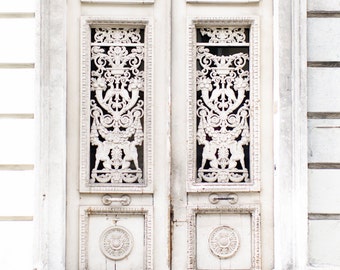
(290, 136)
(50, 141)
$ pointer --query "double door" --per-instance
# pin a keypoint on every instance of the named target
(170, 141)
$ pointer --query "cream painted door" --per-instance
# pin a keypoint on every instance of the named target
(166, 95)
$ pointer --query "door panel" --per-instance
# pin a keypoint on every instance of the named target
(124, 158)
(116, 237)
(224, 237)
(116, 143)
(209, 174)
(170, 136)
(223, 146)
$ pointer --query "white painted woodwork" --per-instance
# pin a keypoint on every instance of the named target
(290, 132)
(119, 1)
(222, 1)
(324, 243)
(136, 221)
(323, 5)
(206, 224)
(180, 38)
(323, 89)
(149, 230)
(290, 139)
(50, 166)
(323, 39)
(323, 191)
(87, 218)
(323, 142)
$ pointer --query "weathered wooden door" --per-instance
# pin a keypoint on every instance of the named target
(167, 98)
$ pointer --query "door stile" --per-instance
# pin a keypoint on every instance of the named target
(178, 134)
(161, 130)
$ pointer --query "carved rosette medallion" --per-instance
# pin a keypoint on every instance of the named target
(224, 242)
(116, 243)
(117, 105)
(222, 105)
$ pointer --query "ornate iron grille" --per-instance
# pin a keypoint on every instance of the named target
(222, 105)
(117, 105)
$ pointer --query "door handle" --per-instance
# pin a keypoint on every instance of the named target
(124, 199)
(232, 198)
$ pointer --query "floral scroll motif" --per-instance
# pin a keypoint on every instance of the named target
(225, 35)
(117, 35)
(223, 115)
(117, 106)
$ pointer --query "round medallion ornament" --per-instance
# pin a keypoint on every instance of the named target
(224, 242)
(116, 243)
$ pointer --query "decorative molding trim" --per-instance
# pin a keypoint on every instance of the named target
(50, 118)
(85, 186)
(16, 15)
(253, 210)
(290, 135)
(254, 153)
(222, 1)
(87, 211)
(119, 1)
(323, 267)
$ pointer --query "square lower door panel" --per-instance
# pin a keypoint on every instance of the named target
(224, 238)
(116, 238)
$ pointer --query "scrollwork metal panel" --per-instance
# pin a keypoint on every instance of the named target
(116, 106)
(223, 90)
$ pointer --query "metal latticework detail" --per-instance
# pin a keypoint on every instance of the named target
(225, 112)
(117, 107)
(117, 35)
(116, 127)
(225, 35)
